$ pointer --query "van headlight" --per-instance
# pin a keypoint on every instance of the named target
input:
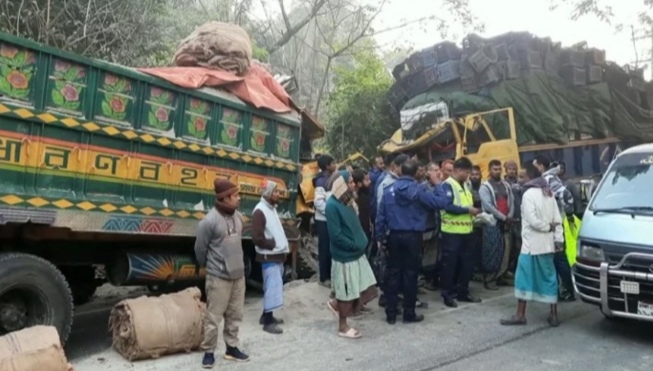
(590, 252)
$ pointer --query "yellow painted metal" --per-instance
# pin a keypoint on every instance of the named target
(353, 157)
(309, 171)
(130, 134)
(500, 149)
(55, 157)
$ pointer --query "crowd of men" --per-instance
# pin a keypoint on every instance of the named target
(421, 220)
(410, 219)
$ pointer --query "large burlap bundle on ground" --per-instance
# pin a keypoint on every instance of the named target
(33, 349)
(151, 327)
(218, 45)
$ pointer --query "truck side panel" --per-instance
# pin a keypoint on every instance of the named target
(582, 159)
(109, 149)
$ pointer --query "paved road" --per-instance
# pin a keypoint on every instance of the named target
(465, 338)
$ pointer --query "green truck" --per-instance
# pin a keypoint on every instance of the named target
(105, 172)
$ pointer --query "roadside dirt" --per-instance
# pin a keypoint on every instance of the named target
(304, 302)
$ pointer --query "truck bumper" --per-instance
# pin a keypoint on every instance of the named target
(617, 289)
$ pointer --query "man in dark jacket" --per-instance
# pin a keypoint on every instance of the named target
(376, 180)
(512, 177)
(327, 165)
(378, 167)
(430, 261)
(402, 218)
(362, 182)
(475, 181)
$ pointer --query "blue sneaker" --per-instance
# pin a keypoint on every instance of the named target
(208, 361)
(235, 354)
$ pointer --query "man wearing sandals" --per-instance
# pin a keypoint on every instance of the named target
(536, 278)
(352, 278)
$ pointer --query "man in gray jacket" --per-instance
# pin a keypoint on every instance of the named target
(218, 247)
(497, 200)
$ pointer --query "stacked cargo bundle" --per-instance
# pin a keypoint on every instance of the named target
(557, 93)
(482, 63)
(436, 65)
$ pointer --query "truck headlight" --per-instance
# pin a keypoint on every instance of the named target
(590, 252)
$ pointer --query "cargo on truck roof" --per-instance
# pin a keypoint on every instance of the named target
(558, 94)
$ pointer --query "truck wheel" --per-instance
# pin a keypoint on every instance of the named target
(306, 264)
(33, 292)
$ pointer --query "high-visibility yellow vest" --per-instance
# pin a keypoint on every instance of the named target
(571, 230)
(458, 224)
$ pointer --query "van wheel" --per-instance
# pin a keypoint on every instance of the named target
(33, 292)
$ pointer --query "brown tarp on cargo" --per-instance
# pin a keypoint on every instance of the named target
(221, 45)
(257, 87)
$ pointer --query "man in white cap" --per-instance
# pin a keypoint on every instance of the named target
(271, 250)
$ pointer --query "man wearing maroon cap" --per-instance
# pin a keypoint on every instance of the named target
(218, 247)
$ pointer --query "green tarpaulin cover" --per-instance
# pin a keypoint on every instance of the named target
(547, 109)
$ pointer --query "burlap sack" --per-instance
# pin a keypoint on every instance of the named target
(151, 327)
(33, 349)
(218, 45)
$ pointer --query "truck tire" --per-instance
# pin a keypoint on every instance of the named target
(307, 265)
(33, 292)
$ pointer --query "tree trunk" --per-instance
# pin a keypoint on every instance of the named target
(327, 69)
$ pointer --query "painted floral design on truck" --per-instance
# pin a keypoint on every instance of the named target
(284, 140)
(69, 83)
(230, 127)
(116, 100)
(17, 67)
(259, 134)
(161, 109)
(198, 117)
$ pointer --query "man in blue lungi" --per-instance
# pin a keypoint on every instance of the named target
(271, 250)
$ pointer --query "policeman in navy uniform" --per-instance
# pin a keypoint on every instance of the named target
(400, 225)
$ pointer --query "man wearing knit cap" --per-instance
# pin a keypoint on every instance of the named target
(218, 247)
(271, 250)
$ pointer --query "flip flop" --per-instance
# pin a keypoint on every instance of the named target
(350, 334)
(332, 310)
(553, 321)
(513, 321)
(363, 311)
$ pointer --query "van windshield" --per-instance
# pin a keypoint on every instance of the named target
(627, 185)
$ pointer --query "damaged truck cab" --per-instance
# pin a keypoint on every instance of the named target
(614, 268)
(106, 171)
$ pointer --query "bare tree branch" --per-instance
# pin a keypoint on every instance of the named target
(290, 32)
(286, 21)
